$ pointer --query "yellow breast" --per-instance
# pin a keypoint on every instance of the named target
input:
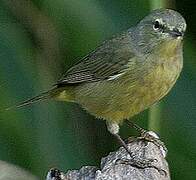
(121, 99)
(159, 81)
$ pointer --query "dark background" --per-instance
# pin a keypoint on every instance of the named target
(41, 39)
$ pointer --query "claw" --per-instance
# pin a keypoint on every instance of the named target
(149, 136)
(153, 137)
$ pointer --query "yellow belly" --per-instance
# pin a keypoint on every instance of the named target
(120, 99)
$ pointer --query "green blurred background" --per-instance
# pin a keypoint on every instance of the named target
(41, 39)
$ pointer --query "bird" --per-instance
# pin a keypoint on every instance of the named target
(126, 74)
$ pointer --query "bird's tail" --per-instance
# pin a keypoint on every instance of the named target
(42, 96)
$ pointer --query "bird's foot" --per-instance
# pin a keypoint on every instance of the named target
(135, 160)
(149, 136)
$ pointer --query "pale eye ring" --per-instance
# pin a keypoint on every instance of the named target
(157, 25)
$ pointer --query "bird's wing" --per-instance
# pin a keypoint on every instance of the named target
(106, 62)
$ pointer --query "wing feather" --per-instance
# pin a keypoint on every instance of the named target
(107, 60)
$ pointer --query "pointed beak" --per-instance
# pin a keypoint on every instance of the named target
(176, 33)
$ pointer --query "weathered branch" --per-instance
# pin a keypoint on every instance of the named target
(116, 166)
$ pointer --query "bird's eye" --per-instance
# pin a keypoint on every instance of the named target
(157, 25)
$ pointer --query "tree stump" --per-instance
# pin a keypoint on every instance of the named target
(116, 165)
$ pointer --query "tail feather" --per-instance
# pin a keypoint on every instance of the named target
(43, 96)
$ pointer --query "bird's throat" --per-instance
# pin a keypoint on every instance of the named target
(169, 48)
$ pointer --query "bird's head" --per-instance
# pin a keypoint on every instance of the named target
(161, 25)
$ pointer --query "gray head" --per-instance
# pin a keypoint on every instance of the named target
(159, 26)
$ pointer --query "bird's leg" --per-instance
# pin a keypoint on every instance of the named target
(113, 128)
(149, 136)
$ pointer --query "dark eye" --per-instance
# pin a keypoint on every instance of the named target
(157, 25)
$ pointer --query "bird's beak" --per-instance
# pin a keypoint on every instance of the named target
(176, 33)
